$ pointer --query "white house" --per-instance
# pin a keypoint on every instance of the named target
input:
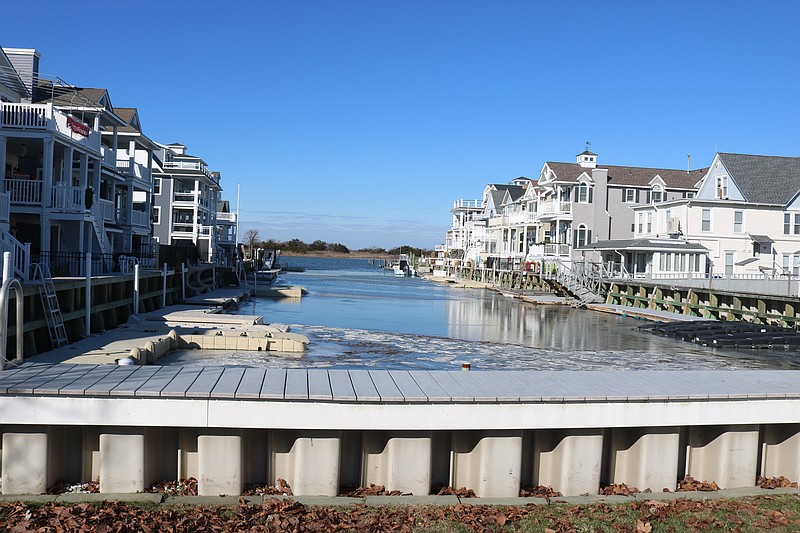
(746, 213)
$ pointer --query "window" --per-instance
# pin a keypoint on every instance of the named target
(156, 215)
(666, 262)
(796, 265)
(650, 222)
(722, 187)
(797, 224)
(689, 195)
(738, 221)
(629, 196)
(658, 194)
(582, 236)
(705, 224)
(156, 185)
(787, 224)
(584, 194)
(680, 262)
(641, 222)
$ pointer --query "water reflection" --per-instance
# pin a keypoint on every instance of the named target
(358, 317)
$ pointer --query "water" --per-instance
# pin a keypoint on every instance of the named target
(357, 316)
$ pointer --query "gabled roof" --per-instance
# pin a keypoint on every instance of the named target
(764, 179)
(131, 117)
(10, 77)
(70, 96)
(633, 176)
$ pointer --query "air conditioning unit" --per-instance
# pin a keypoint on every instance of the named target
(674, 226)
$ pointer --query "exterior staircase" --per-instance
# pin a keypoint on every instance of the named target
(52, 310)
(20, 254)
(100, 232)
(579, 280)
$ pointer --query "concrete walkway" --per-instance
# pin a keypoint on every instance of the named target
(222, 500)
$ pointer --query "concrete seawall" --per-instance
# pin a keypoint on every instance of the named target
(413, 431)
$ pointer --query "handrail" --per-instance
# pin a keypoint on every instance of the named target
(17, 286)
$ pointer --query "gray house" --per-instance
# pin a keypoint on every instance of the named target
(582, 202)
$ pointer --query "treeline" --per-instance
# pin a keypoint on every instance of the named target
(298, 246)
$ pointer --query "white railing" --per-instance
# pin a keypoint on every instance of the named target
(226, 217)
(186, 165)
(556, 249)
(188, 197)
(24, 191)
(468, 204)
(26, 116)
(440, 248)
(106, 210)
(44, 117)
(109, 156)
(524, 217)
(5, 207)
(68, 198)
(20, 253)
(62, 126)
(140, 218)
(555, 207)
(205, 231)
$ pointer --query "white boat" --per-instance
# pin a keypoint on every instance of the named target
(401, 267)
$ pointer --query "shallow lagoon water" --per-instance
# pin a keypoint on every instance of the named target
(357, 316)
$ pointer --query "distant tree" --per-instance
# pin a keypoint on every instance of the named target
(338, 248)
(318, 246)
(271, 244)
(251, 238)
(295, 245)
(373, 250)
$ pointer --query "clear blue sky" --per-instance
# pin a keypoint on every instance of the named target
(361, 121)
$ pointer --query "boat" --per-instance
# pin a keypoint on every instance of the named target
(262, 269)
(401, 267)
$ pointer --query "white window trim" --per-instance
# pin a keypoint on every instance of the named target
(157, 214)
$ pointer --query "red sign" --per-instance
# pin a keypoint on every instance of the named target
(78, 127)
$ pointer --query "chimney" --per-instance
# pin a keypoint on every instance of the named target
(26, 63)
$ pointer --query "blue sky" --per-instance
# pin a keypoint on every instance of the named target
(361, 121)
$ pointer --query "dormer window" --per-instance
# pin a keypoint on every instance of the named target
(657, 194)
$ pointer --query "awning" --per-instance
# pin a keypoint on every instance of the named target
(761, 238)
(747, 261)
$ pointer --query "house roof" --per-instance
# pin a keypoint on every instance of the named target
(69, 96)
(765, 179)
(647, 244)
(633, 176)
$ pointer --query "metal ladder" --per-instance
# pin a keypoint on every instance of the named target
(52, 311)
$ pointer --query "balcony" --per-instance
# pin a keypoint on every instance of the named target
(467, 204)
(557, 250)
(522, 217)
(68, 198)
(24, 191)
(555, 208)
(226, 217)
(133, 169)
(44, 118)
(106, 210)
(188, 165)
(133, 217)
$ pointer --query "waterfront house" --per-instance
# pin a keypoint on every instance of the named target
(583, 203)
(226, 233)
(514, 228)
(185, 195)
(66, 193)
(746, 213)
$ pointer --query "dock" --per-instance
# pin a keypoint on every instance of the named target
(412, 431)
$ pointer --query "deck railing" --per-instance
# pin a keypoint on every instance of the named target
(68, 197)
(26, 116)
(24, 191)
